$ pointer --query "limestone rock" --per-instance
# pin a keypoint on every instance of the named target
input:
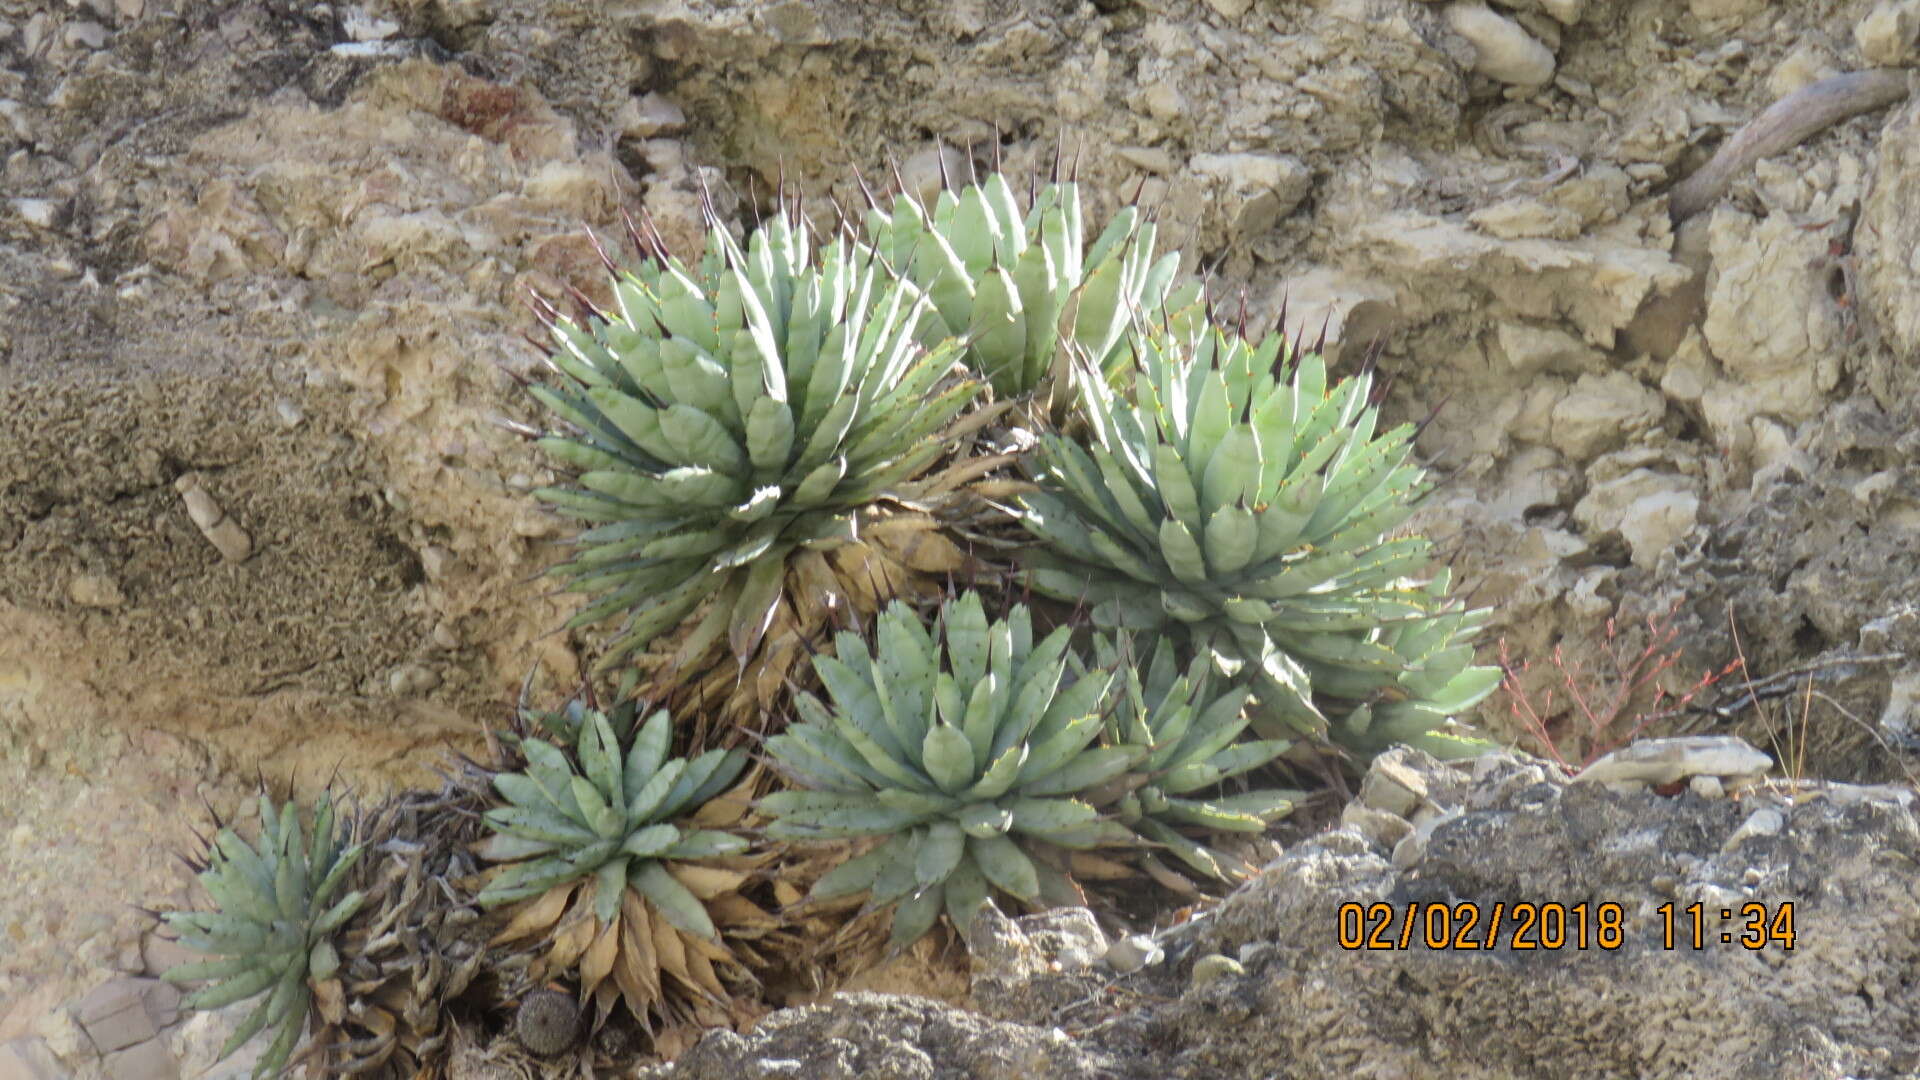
(1602, 412)
(860, 1035)
(1767, 310)
(1722, 10)
(1662, 761)
(1262, 188)
(1649, 510)
(1886, 34)
(1889, 232)
(1503, 50)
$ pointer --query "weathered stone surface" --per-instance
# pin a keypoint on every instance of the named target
(1308, 1010)
(1662, 761)
(1025, 967)
(1262, 986)
(1503, 50)
(1602, 412)
(27, 1058)
(864, 1036)
(115, 1015)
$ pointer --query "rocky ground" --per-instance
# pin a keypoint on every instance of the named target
(259, 268)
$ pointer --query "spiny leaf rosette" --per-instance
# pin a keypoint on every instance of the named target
(1257, 515)
(961, 747)
(274, 925)
(1191, 728)
(1020, 289)
(734, 424)
(620, 874)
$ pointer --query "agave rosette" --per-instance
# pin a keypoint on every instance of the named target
(274, 925)
(1192, 727)
(1021, 289)
(617, 868)
(961, 748)
(733, 425)
(1258, 515)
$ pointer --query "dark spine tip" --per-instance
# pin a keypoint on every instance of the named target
(588, 310)
(893, 166)
(599, 249)
(664, 253)
(1422, 426)
(861, 179)
(640, 249)
(518, 379)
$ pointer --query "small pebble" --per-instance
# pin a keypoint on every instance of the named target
(1214, 967)
(96, 591)
(89, 35)
(39, 213)
(1503, 50)
(1886, 35)
(361, 26)
(1707, 787)
(1380, 827)
(1392, 787)
(1409, 851)
(410, 679)
(1765, 821)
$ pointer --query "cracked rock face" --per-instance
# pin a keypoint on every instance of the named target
(1262, 985)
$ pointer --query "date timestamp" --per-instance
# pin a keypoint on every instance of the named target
(1524, 926)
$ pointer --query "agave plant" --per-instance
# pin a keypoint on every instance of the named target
(1194, 746)
(734, 424)
(1257, 515)
(960, 747)
(616, 866)
(274, 925)
(1017, 286)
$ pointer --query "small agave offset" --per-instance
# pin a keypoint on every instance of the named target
(732, 422)
(606, 853)
(1191, 729)
(1257, 515)
(274, 925)
(961, 748)
(1016, 286)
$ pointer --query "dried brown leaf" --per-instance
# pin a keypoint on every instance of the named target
(707, 882)
(597, 963)
(537, 914)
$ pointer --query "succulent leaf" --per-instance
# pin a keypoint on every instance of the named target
(1000, 280)
(1259, 508)
(726, 415)
(273, 924)
(959, 823)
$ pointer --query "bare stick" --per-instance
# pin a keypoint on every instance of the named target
(1785, 124)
